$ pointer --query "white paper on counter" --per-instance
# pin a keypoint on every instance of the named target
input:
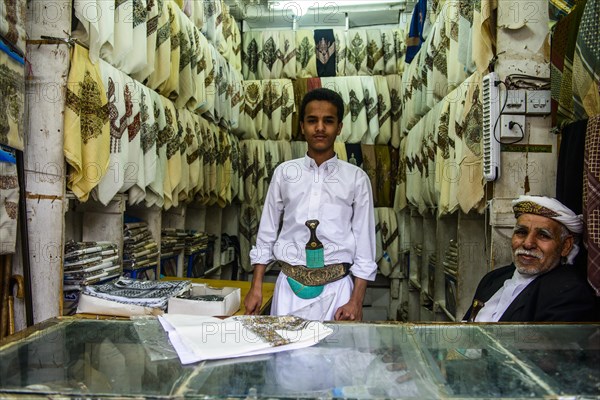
(198, 338)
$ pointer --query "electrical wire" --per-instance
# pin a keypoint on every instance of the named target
(500, 115)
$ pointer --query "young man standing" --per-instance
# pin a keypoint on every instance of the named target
(317, 222)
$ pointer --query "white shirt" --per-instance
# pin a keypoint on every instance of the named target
(336, 193)
(495, 307)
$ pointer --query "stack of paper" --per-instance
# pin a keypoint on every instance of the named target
(198, 338)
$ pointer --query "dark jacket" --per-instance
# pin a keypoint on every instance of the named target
(561, 294)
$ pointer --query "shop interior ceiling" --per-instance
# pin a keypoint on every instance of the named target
(264, 14)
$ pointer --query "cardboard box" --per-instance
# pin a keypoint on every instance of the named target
(228, 306)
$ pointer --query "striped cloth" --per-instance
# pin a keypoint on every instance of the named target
(591, 200)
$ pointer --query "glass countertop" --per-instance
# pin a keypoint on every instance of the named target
(133, 358)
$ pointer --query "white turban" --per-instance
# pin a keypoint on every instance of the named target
(554, 209)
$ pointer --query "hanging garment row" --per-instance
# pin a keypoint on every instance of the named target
(322, 53)
(189, 61)
(122, 137)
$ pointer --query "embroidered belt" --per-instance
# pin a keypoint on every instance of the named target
(315, 276)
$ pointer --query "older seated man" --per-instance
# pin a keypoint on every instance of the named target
(540, 284)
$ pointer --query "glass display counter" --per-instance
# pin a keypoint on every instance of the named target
(110, 358)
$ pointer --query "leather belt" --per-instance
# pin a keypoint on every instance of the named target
(315, 276)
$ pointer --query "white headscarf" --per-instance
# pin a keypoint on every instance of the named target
(554, 209)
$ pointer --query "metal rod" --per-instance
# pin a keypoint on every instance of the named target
(24, 238)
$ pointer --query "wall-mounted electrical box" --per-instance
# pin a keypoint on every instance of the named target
(538, 102)
(515, 102)
(512, 126)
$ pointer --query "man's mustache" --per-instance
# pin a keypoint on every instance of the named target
(529, 253)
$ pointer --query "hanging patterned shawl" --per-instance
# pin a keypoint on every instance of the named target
(116, 50)
(394, 163)
(199, 71)
(306, 57)
(187, 148)
(438, 85)
(207, 154)
(300, 89)
(9, 201)
(325, 47)
(358, 111)
(428, 158)
(341, 49)
(272, 159)
(369, 165)
(13, 15)
(414, 165)
(287, 109)
(424, 65)
(223, 99)
(210, 83)
(137, 58)
(253, 170)
(251, 50)
(370, 102)
(186, 78)
(384, 107)
(235, 167)
(456, 70)
(162, 53)
(12, 98)
(586, 65)
(313, 83)
(134, 168)
(400, 191)
(251, 115)
(287, 48)
(394, 83)
(339, 148)
(375, 52)
(471, 183)
(354, 153)
(445, 151)
(285, 150)
(383, 170)
(390, 240)
(170, 88)
(235, 45)
(197, 14)
(86, 129)
(173, 165)
(278, 104)
(415, 32)
(237, 100)
(213, 28)
(270, 65)
(214, 171)
(484, 33)
(339, 86)
(356, 53)
(96, 24)
(120, 110)
(155, 194)
(224, 43)
(389, 52)
(400, 47)
(465, 36)
(591, 201)
(181, 190)
(193, 141)
(248, 226)
(148, 135)
(152, 10)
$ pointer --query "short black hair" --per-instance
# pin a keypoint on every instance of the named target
(326, 95)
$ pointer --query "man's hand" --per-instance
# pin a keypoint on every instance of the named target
(253, 299)
(351, 311)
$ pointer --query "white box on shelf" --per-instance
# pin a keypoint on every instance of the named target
(228, 306)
